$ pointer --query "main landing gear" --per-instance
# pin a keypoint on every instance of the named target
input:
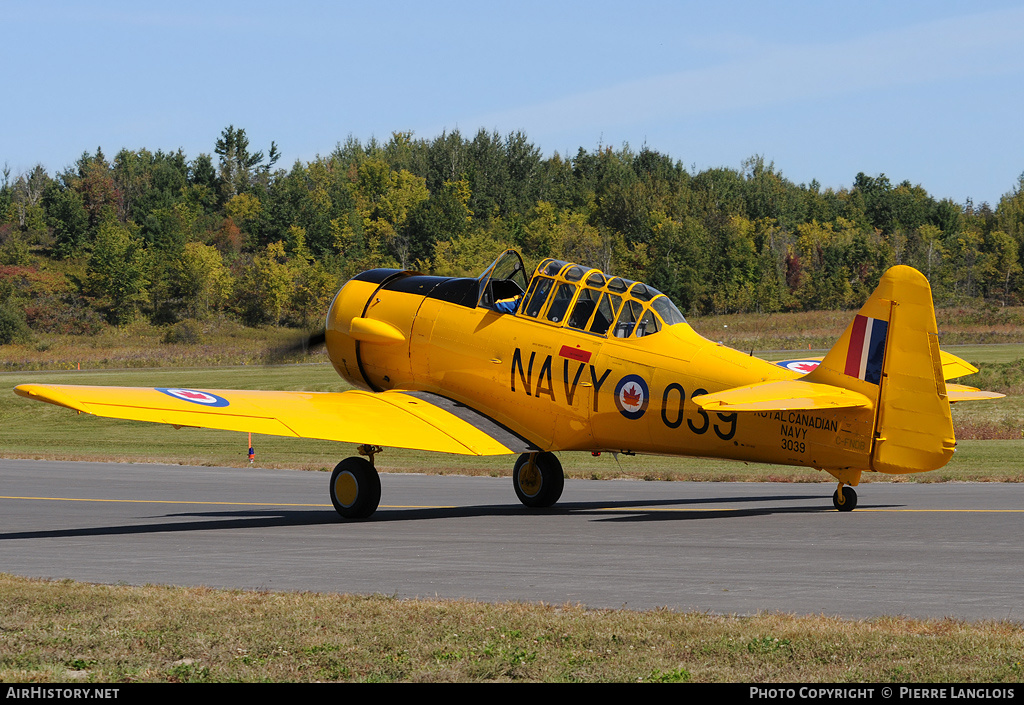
(355, 485)
(538, 479)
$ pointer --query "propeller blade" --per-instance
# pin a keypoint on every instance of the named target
(303, 346)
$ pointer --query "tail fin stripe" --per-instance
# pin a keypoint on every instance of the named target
(855, 353)
(876, 351)
(867, 349)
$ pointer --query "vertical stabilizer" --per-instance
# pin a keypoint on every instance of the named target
(890, 353)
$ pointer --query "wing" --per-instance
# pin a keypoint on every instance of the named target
(417, 420)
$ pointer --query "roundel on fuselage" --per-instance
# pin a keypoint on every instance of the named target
(631, 396)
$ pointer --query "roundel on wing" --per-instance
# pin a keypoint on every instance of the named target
(801, 366)
(194, 396)
(631, 396)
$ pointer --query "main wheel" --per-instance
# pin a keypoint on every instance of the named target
(849, 502)
(538, 479)
(355, 488)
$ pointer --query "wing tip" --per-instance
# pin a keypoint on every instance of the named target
(51, 395)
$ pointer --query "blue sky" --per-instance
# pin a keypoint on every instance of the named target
(930, 92)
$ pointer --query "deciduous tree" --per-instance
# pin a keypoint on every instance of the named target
(116, 275)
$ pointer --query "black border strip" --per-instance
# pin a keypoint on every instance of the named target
(502, 434)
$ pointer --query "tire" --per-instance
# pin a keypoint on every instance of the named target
(850, 497)
(355, 488)
(540, 483)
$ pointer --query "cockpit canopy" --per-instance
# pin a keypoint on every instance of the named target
(585, 299)
(505, 279)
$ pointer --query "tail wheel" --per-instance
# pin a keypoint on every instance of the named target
(538, 479)
(355, 488)
(845, 502)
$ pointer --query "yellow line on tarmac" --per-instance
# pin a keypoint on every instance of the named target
(236, 504)
(970, 511)
(739, 509)
(665, 509)
(165, 501)
(418, 506)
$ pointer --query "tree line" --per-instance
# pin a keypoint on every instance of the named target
(166, 238)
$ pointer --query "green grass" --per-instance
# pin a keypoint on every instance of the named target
(79, 633)
(987, 354)
(222, 342)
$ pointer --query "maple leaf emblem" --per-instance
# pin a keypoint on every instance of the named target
(805, 366)
(192, 395)
(631, 396)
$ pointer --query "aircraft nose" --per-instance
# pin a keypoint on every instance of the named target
(349, 304)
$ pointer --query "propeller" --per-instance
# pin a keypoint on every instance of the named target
(303, 346)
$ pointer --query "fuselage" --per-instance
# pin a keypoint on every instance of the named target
(566, 376)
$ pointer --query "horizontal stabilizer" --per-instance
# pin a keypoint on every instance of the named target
(960, 392)
(783, 395)
(953, 366)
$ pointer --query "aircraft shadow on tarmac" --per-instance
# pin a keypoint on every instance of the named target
(614, 511)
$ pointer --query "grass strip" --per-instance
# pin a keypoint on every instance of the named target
(69, 631)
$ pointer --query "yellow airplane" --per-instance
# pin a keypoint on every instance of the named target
(577, 360)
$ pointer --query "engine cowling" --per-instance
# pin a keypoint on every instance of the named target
(348, 326)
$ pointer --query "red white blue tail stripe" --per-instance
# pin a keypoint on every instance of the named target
(867, 349)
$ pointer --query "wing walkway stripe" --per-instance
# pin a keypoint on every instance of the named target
(508, 438)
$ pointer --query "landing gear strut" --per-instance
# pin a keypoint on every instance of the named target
(355, 487)
(845, 498)
(538, 479)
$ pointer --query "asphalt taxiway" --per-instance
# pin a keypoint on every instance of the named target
(921, 550)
